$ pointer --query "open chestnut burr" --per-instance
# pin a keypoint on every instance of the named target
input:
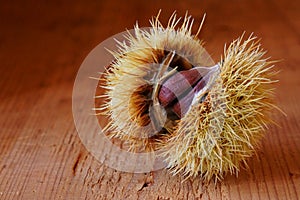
(204, 119)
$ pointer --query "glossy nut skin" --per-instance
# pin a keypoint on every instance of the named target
(177, 92)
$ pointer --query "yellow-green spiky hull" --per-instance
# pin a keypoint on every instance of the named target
(243, 88)
(127, 75)
(216, 135)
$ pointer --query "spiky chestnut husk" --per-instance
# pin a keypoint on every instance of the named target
(211, 142)
(129, 81)
(217, 134)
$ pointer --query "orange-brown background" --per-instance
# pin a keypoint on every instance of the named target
(42, 45)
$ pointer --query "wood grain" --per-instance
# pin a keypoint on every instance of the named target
(41, 48)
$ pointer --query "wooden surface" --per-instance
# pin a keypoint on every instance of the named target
(41, 48)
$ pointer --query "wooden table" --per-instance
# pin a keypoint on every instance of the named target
(42, 45)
